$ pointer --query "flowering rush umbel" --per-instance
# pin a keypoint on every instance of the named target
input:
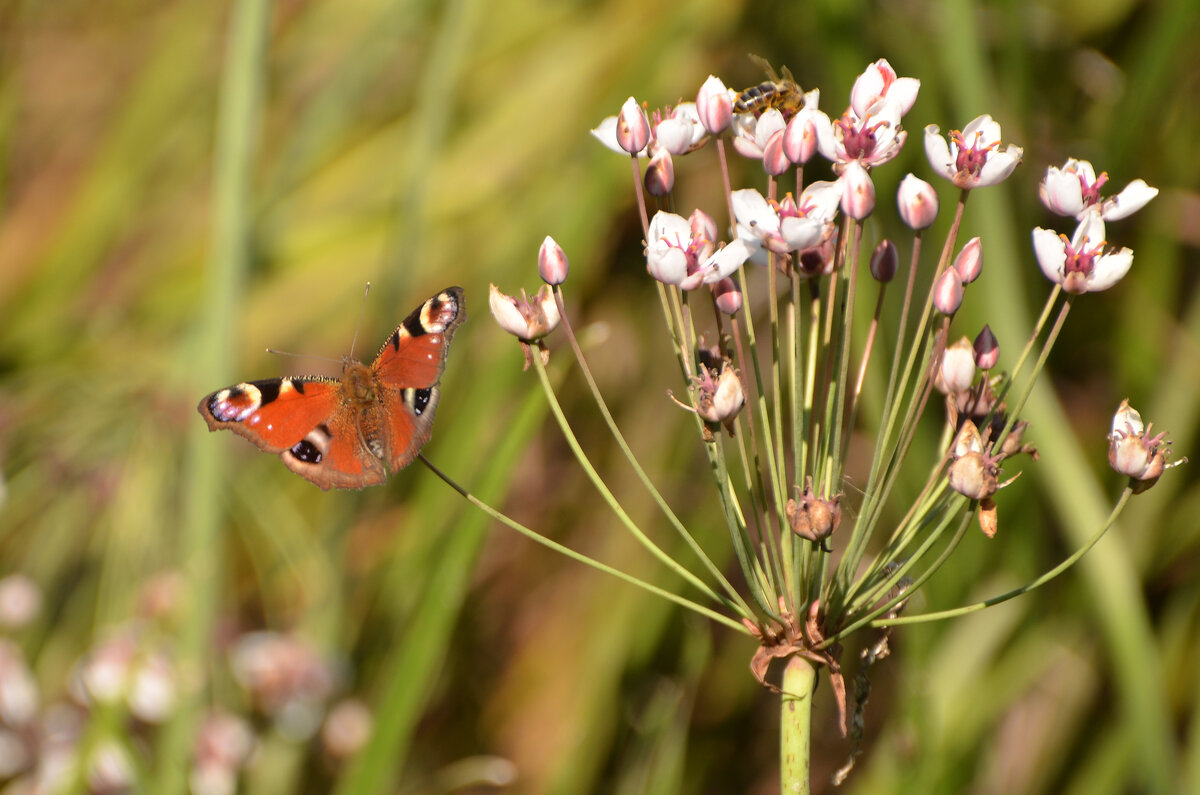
(758, 288)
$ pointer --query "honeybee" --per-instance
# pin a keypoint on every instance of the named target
(782, 93)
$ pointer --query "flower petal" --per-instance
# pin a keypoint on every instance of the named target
(999, 166)
(1137, 194)
(1051, 254)
(1061, 192)
(726, 261)
(1110, 269)
(938, 152)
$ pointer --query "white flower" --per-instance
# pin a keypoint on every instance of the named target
(1075, 189)
(871, 139)
(879, 82)
(680, 252)
(527, 319)
(972, 158)
(785, 226)
(1081, 264)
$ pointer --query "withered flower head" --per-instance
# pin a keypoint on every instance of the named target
(813, 517)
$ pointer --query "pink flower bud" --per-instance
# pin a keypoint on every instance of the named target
(660, 174)
(775, 160)
(918, 203)
(552, 262)
(969, 261)
(885, 261)
(727, 296)
(987, 349)
(858, 191)
(633, 128)
(800, 138)
(714, 106)
(948, 292)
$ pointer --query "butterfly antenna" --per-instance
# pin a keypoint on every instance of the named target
(361, 312)
(303, 356)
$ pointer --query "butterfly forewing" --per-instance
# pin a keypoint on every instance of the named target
(415, 354)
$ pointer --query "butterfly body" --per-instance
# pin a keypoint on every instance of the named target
(350, 432)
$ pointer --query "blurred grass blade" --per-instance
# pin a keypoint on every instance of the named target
(236, 144)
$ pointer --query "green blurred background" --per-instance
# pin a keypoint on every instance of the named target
(186, 183)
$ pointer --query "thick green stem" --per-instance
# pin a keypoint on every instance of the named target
(795, 721)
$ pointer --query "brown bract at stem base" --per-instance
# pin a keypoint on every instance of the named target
(779, 641)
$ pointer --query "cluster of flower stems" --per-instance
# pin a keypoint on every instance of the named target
(775, 361)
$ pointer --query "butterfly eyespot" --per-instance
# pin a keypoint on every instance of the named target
(236, 403)
(419, 399)
(306, 451)
(312, 448)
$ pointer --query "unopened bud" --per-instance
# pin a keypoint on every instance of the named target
(727, 296)
(552, 262)
(775, 160)
(969, 262)
(987, 349)
(858, 191)
(714, 106)
(918, 203)
(885, 260)
(660, 174)
(957, 372)
(948, 292)
(800, 139)
(633, 128)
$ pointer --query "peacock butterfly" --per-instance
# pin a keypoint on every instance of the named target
(350, 432)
